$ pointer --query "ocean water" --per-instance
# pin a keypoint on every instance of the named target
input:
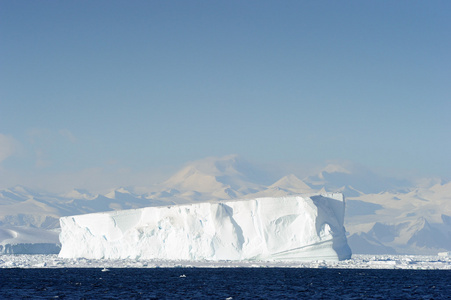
(224, 283)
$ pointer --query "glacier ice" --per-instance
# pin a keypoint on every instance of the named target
(30, 248)
(28, 240)
(297, 228)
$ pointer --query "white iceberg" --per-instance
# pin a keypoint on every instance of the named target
(296, 228)
(28, 240)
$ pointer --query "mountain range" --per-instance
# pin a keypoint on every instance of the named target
(383, 215)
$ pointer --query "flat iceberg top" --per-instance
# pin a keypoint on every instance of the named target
(307, 227)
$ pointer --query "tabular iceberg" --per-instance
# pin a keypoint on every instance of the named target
(296, 228)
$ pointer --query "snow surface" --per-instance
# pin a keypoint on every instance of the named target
(420, 262)
(28, 240)
(296, 228)
(383, 215)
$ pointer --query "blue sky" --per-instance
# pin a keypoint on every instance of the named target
(124, 90)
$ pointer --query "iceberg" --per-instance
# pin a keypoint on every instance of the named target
(30, 248)
(28, 240)
(293, 228)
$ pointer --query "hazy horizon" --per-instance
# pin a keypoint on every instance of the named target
(112, 92)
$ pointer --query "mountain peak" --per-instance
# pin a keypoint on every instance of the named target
(79, 194)
(119, 191)
(293, 183)
(229, 164)
(335, 168)
(338, 176)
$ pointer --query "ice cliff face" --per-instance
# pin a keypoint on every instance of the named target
(289, 228)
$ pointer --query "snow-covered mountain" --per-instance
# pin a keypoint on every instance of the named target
(353, 179)
(383, 215)
(386, 215)
(229, 177)
(416, 221)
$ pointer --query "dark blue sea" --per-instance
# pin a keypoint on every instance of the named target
(224, 283)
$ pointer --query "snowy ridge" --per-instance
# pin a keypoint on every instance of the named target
(383, 215)
(289, 228)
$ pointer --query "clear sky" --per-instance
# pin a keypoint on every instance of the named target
(120, 90)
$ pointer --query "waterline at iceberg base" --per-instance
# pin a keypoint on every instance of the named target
(295, 228)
